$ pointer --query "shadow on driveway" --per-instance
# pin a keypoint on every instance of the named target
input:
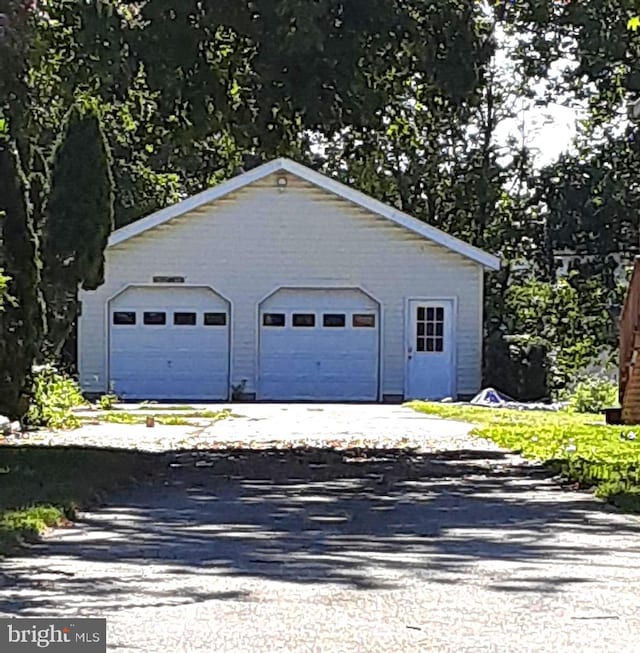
(366, 519)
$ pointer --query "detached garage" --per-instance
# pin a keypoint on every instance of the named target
(283, 284)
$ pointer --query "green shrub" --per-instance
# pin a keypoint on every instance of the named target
(107, 402)
(54, 396)
(593, 395)
(543, 334)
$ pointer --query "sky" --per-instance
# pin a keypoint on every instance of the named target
(549, 131)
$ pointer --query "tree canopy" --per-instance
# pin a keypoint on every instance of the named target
(419, 104)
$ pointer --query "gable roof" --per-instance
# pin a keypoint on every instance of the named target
(331, 185)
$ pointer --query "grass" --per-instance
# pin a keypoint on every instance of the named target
(182, 419)
(44, 487)
(581, 447)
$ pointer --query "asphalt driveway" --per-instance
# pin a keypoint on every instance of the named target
(459, 547)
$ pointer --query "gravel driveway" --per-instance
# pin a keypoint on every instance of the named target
(459, 547)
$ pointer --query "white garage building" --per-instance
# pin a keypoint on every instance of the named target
(283, 284)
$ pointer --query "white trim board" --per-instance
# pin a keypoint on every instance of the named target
(331, 185)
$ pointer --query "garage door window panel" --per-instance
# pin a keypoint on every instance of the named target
(184, 319)
(333, 320)
(306, 320)
(215, 319)
(124, 318)
(364, 321)
(154, 318)
(274, 320)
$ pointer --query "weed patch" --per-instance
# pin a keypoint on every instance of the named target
(55, 395)
(178, 419)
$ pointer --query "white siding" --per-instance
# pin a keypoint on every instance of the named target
(257, 239)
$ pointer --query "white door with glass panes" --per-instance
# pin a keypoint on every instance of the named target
(429, 350)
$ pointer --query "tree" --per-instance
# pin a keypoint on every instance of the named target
(188, 89)
(21, 323)
(15, 34)
(78, 221)
(405, 99)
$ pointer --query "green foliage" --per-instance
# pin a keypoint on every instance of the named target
(55, 395)
(21, 322)
(593, 395)
(544, 333)
(177, 419)
(578, 446)
(14, 46)
(407, 101)
(187, 91)
(77, 223)
(3, 288)
(107, 401)
(592, 200)
(256, 75)
(32, 521)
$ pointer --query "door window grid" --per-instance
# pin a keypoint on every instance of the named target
(430, 329)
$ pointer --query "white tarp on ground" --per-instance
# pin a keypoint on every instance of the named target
(493, 398)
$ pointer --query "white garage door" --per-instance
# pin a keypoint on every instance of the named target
(169, 343)
(319, 345)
